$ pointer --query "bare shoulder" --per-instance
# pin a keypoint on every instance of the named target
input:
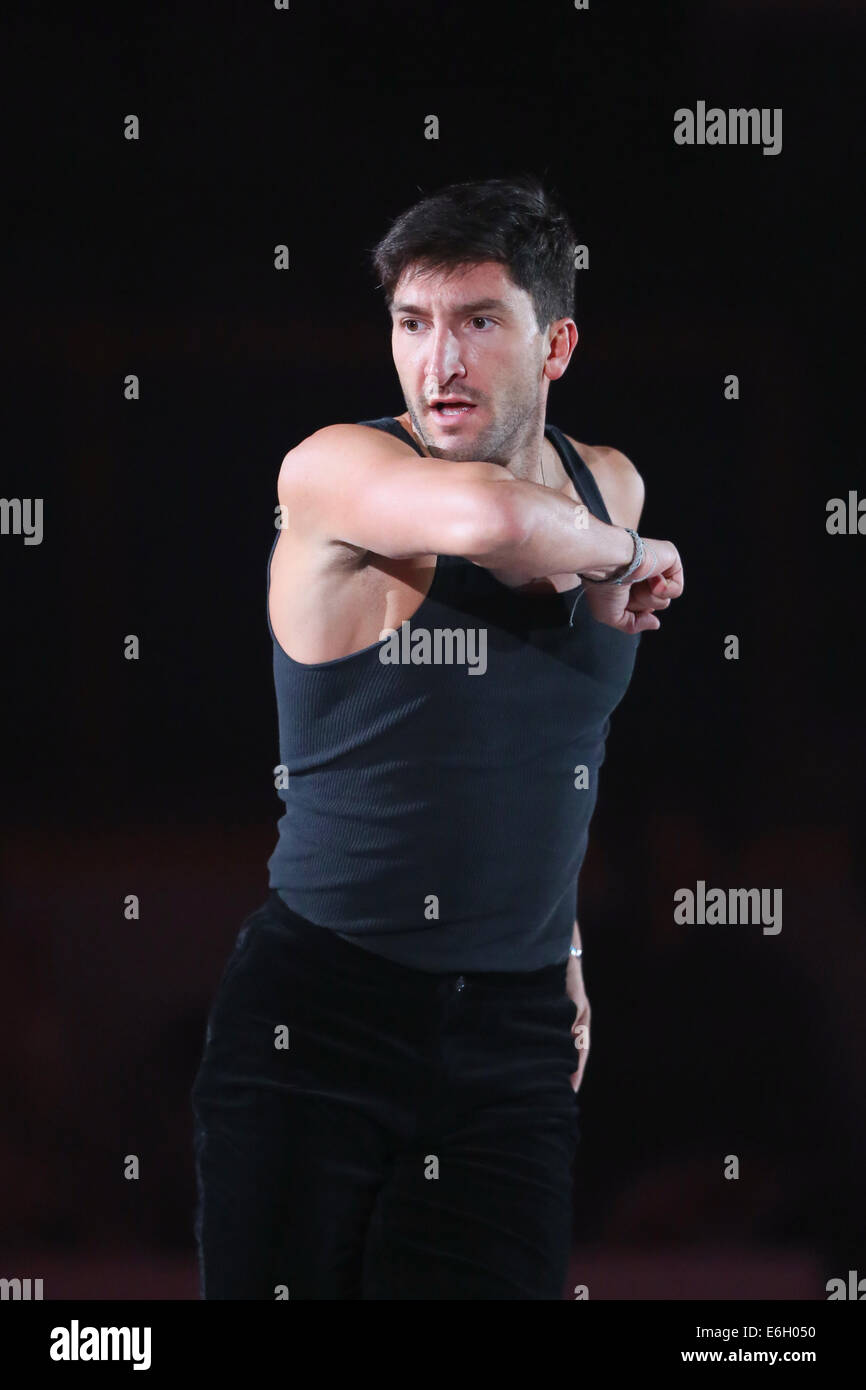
(335, 445)
(619, 481)
(326, 465)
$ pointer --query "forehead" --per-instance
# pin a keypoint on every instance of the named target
(455, 288)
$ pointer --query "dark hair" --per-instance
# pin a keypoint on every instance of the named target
(513, 221)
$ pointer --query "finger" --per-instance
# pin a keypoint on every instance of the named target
(646, 603)
(671, 583)
(659, 592)
(631, 623)
(649, 591)
(642, 622)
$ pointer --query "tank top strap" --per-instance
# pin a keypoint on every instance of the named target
(579, 473)
(392, 426)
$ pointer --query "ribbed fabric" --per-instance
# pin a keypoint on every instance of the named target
(431, 814)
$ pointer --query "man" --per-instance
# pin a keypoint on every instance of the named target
(386, 1102)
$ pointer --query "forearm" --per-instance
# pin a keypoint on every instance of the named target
(543, 532)
(575, 936)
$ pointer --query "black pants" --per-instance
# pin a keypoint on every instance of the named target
(366, 1130)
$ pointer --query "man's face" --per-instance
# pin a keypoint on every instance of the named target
(469, 334)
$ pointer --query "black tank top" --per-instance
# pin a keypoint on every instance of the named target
(441, 781)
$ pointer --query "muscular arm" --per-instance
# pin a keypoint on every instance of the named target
(622, 489)
(547, 533)
(357, 486)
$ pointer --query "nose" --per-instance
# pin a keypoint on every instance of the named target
(443, 361)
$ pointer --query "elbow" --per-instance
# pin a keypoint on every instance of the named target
(495, 524)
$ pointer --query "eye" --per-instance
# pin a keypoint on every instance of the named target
(478, 318)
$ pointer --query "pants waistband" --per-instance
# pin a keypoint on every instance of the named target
(548, 979)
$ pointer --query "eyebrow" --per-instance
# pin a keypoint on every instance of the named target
(473, 308)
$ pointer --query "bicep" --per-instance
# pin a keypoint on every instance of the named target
(357, 485)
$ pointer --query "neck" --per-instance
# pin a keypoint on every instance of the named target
(538, 462)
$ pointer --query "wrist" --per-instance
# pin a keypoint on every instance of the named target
(647, 567)
(629, 550)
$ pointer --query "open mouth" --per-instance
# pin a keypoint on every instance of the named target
(453, 408)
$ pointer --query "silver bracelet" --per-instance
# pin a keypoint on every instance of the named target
(575, 951)
(636, 562)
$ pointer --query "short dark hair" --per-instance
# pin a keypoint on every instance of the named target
(514, 221)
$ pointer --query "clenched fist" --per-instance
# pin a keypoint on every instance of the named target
(631, 607)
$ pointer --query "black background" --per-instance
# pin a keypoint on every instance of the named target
(155, 257)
